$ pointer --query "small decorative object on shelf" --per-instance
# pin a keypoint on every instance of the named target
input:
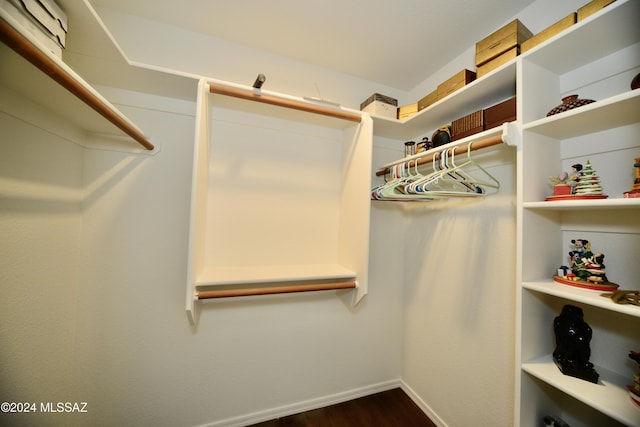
(587, 184)
(635, 187)
(563, 183)
(409, 148)
(573, 338)
(635, 83)
(550, 421)
(441, 136)
(634, 389)
(569, 103)
(624, 297)
(587, 269)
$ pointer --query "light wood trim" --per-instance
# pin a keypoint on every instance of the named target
(460, 149)
(269, 290)
(35, 56)
(287, 103)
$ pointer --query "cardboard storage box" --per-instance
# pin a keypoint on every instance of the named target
(407, 111)
(458, 81)
(549, 32)
(428, 100)
(500, 41)
(498, 61)
(467, 125)
(380, 105)
(47, 14)
(591, 8)
(29, 27)
(500, 113)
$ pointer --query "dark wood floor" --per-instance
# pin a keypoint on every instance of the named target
(391, 408)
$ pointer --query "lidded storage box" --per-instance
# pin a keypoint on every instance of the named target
(511, 35)
(380, 105)
(458, 81)
(42, 20)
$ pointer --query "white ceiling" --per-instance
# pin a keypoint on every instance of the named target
(393, 42)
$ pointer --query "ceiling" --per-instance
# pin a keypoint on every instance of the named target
(397, 43)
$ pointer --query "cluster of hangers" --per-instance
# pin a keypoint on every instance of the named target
(467, 179)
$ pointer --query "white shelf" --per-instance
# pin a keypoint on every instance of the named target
(584, 296)
(610, 29)
(481, 93)
(213, 276)
(619, 110)
(560, 205)
(609, 396)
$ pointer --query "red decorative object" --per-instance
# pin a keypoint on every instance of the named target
(593, 286)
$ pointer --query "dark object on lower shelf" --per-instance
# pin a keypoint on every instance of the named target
(550, 421)
(441, 136)
(569, 103)
(573, 336)
(635, 83)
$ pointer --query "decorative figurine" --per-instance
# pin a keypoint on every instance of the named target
(588, 181)
(573, 336)
(634, 389)
(584, 182)
(635, 187)
(563, 183)
(587, 269)
(624, 297)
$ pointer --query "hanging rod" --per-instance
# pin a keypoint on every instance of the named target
(270, 290)
(485, 143)
(282, 102)
(23, 47)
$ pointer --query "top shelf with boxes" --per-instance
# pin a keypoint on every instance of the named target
(495, 87)
(603, 61)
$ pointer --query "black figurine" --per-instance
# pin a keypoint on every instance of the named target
(573, 336)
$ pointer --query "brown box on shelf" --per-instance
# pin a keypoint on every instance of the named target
(549, 32)
(500, 113)
(458, 81)
(511, 35)
(467, 125)
(406, 111)
(428, 100)
(497, 61)
(591, 8)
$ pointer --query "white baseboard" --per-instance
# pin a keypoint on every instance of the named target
(421, 403)
(307, 405)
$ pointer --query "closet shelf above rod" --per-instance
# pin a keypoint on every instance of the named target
(283, 102)
(67, 78)
(507, 136)
(271, 290)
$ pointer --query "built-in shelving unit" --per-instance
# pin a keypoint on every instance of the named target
(307, 166)
(599, 67)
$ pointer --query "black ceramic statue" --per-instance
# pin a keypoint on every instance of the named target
(573, 336)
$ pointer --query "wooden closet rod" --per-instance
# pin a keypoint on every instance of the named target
(460, 149)
(228, 293)
(31, 53)
(287, 103)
